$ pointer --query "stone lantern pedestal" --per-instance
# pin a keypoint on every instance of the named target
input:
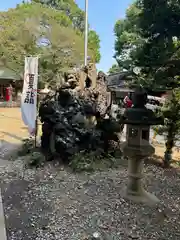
(135, 191)
(137, 146)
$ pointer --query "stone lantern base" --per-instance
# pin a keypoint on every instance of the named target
(135, 191)
(142, 197)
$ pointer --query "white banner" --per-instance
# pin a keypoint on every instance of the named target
(29, 94)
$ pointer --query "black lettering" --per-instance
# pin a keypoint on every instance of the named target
(31, 81)
(26, 100)
(31, 100)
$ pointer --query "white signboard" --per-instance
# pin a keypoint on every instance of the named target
(29, 94)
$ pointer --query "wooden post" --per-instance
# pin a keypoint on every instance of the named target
(36, 122)
(37, 108)
(36, 131)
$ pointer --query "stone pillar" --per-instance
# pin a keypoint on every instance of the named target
(135, 168)
(135, 191)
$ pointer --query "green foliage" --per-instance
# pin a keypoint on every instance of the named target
(159, 17)
(114, 69)
(26, 148)
(94, 46)
(77, 18)
(37, 29)
(68, 7)
(171, 114)
(34, 29)
(149, 37)
(159, 55)
(92, 161)
(128, 39)
(33, 156)
(146, 38)
(171, 128)
(36, 159)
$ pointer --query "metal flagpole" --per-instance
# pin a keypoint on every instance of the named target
(37, 109)
(86, 33)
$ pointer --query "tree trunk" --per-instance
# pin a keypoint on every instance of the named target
(169, 144)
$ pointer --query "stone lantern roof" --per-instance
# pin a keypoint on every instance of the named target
(139, 114)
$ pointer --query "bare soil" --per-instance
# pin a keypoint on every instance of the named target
(160, 149)
(12, 130)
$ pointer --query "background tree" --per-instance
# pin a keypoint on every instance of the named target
(171, 113)
(148, 38)
(158, 25)
(114, 69)
(68, 7)
(127, 38)
(35, 29)
(94, 45)
(159, 56)
(77, 18)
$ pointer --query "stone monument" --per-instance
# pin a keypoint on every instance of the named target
(137, 146)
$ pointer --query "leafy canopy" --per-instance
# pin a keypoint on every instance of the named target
(148, 37)
(35, 29)
(114, 69)
(77, 18)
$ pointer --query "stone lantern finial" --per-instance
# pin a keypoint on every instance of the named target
(139, 98)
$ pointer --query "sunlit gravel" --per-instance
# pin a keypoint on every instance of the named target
(54, 203)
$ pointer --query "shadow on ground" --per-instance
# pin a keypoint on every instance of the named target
(22, 215)
(158, 161)
(12, 135)
(8, 150)
(54, 203)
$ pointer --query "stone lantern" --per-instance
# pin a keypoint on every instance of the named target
(137, 146)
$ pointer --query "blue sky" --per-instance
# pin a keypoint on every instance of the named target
(102, 17)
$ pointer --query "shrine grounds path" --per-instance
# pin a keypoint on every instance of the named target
(12, 130)
(53, 203)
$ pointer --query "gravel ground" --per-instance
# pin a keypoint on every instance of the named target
(53, 203)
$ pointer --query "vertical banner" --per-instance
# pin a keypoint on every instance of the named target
(29, 94)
